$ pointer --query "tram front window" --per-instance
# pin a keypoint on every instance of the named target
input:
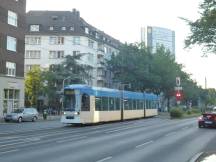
(69, 101)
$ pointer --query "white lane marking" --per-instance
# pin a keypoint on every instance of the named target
(11, 144)
(169, 134)
(14, 140)
(73, 139)
(104, 159)
(33, 139)
(5, 152)
(124, 128)
(146, 143)
(36, 141)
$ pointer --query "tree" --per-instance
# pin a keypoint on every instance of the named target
(53, 78)
(203, 30)
(33, 86)
(149, 72)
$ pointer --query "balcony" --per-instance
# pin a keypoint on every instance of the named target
(100, 53)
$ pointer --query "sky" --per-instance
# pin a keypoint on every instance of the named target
(123, 19)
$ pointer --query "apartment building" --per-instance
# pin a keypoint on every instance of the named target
(12, 49)
(54, 34)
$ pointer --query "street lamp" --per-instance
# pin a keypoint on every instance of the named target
(63, 85)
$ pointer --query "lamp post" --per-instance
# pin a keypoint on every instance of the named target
(63, 85)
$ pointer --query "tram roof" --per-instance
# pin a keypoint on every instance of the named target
(107, 92)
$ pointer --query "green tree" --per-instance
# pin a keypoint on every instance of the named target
(150, 72)
(203, 30)
(33, 86)
(53, 78)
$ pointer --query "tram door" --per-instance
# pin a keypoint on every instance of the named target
(85, 106)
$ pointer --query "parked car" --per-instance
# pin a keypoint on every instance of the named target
(22, 114)
(207, 120)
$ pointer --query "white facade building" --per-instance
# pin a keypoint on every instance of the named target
(54, 34)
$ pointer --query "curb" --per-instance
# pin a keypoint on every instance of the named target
(40, 119)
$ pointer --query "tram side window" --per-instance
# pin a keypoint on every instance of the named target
(130, 104)
(85, 102)
(147, 104)
(141, 105)
(126, 104)
(117, 103)
(134, 105)
(105, 104)
(98, 104)
(111, 104)
(151, 104)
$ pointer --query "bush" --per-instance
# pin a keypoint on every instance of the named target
(176, 113)
(195, 111)
(189, 112)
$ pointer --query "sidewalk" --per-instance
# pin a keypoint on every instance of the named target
(49, 117)
(164, 115)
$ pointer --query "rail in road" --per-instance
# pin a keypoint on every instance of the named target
(136, 140)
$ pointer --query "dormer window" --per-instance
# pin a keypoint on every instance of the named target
(34, 28)
(96, 35)
(54, 17)
(71, 28)
(63, 28)
(86, 30)
(51, 28)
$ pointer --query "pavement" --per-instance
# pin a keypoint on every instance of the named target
(150, 140)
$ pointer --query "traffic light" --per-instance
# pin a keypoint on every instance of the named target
(178, 95)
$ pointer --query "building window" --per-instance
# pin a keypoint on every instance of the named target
(76, 40)
(86, 30)
(30, 67)
(72, 28)
(91, 43)
(96, 35)
(90, 58)
(75, 53)
(56, 54)
(33, 40)
(63, 28)
(34, 28)
(10, 69)
(33, 54)
(11, 43)
(51, 28)
(12, 18)
(11, 100)
(56, 40)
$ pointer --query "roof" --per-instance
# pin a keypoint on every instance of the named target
(107, 92)
(58, 19)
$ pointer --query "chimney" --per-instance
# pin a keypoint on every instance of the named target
(76, 13)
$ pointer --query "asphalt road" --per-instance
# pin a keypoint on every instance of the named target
(146, 140)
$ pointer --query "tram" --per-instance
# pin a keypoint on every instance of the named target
(84, 104)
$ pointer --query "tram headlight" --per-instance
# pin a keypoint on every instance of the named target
(64, 113)
(76, 113)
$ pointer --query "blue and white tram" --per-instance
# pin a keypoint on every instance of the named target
(85, 104)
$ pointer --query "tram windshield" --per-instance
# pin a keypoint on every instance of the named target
(69, 100)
